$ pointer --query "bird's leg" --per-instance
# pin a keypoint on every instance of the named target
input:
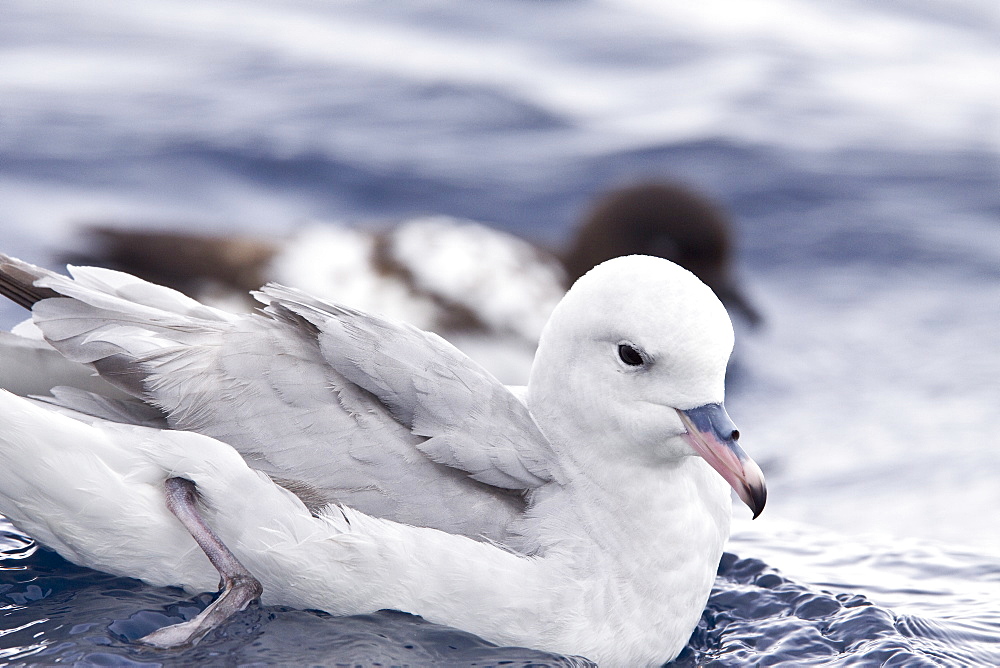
(239, 587)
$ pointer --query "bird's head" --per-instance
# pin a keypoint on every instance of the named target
(632, 365)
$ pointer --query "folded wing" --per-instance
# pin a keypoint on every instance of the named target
(337, 405)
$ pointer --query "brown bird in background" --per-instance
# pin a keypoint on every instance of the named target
(492, 282)
(665, 220)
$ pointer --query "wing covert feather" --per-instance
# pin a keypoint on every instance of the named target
(471, 421)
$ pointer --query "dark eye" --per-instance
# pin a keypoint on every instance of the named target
(629, 354)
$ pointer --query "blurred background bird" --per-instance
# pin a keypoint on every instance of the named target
(488, 291)
(439, 273)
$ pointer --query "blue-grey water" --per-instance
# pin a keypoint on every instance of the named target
(856, 146)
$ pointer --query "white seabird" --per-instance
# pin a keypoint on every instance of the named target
(353, 464)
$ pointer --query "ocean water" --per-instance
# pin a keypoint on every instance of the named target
(856, 146)
(943, 613)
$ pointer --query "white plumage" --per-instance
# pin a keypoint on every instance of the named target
(579, 521)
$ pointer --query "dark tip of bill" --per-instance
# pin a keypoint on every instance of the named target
(759, 498)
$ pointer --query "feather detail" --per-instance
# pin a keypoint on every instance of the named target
(430, 387)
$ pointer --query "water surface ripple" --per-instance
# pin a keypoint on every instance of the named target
(54, 612)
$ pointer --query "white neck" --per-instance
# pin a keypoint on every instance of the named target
(654, 534)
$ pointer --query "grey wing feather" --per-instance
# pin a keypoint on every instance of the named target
(124, 411)
(471, 421)
(30, 366)
(277, 388)
(107, 318)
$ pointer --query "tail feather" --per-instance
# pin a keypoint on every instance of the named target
(17, 282)
(109, 319)
(115, 290)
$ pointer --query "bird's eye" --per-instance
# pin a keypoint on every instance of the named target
(630, 354)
